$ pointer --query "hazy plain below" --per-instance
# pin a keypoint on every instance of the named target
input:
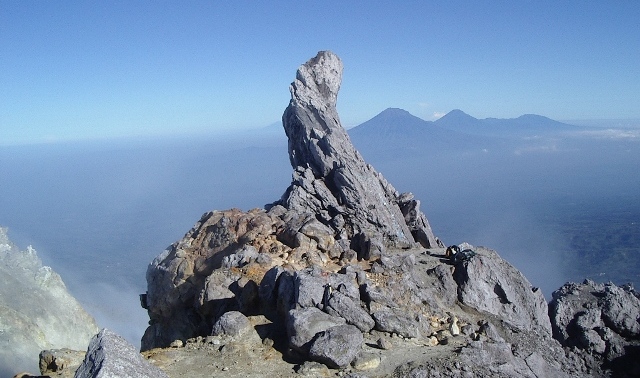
(559, 207)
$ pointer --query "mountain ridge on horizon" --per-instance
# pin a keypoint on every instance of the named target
(402, 130)
(458, 120)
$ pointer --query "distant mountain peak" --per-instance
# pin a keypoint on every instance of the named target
(456, 111)
(526, 124)
(395, 113)
(391, 121)
(532, 116)
(458, 114)
(458, 120)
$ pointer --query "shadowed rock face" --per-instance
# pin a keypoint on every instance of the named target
(331, 179)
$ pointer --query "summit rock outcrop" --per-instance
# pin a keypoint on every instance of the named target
(337, 210)
(331, 179)
(344, 272)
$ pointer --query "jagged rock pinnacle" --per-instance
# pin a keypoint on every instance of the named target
(321, 76)
(331, 179)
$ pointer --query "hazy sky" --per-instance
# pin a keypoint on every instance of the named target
(86, 69)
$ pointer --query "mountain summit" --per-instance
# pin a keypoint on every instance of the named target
(392, 121)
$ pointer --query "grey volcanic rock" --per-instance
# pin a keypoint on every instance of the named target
(188, 285)
(602, 320)
(398, 322)
(331, 179)
(344, 307)
(232, 323)
(36, 310)
(499, 360)
(337, 346)
(304, 324)
(488, 283)
(412, 281)
(111, 356)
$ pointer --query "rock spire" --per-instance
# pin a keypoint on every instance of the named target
(331, 179)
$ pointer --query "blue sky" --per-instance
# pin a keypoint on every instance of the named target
(101, 69)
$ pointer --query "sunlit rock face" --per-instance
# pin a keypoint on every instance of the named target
(330, 178)
(36, 310)
(109, 355)
(489, 283)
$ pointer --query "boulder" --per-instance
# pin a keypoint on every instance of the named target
(305, 323)
(621, 310)
(399, 322)
(309, 288)
(488, 283)
(366, 361)
(420, 282)
(341, 305)
(232, 323)
(110, 355)
(337, 346)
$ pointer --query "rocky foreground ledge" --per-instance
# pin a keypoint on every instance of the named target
(343, 277)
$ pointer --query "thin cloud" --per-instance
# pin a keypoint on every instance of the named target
(540, 146)
(616, 134)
